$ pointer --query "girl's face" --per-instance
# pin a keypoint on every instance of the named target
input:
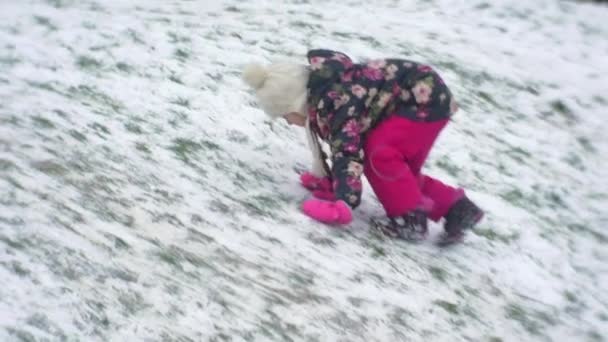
(294, 118)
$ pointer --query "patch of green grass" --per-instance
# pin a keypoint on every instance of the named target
(42, 122)
(77, 135)
(517, 313)
(558, 106)
(233, 9)
(88, 25)
(46, 22)
(180, 101)
(494, 339)
(133, 128)
(492, 235)
(601, 100)
(488, 98)
(176, 79)
(117, 242)
(304, 25)
(575, 161)
(57, 3)
(19, 270)
(21, 335)
(99, 128)
(88, 63)
(142, 147)
(7, 165)
(86, 93)
(210, 145)
(132, 302)
(50, 168)
(9, 61)
(519, 154)
(571, 297)
(555, 200)
(176, 38)
(238, 137)
(135, 36)
(48, 86)
(218, 206)
(184, 149)
(595, 336)
(578, 228)
(439, 273)
(13, 221)
(124, 67)
(518, 198)
(447, 306)
(532, 321)
(586, 144)
(170, 257)
(182, 54)
(319, 240)
(378, 252)
(448, 166)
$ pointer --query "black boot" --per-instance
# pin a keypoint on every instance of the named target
(411, 226)
(463, 215)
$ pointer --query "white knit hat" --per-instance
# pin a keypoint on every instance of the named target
(281, 88)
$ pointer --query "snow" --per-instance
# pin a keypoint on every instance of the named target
(144, 196)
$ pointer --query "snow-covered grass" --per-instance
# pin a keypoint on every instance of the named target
(143, 196)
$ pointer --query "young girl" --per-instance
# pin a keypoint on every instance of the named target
(380, 119)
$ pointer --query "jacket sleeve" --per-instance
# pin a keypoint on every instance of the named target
(326, 69)
(347, 161)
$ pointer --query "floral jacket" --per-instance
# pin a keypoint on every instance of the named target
(346, 100)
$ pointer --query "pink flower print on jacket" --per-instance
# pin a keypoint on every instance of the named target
(352, 110)
(453, 106)
(333, 95)
(371, 96)
(316, 63)
(351, 147)
(422, 92)
(348, 76)
(352, 128)
(372, 74)
(354, 183)
(358, 90)
(355, 169)
(424, 68)
(342, 58)
(385, 97)
(342, 100)
(391, 71)
(422, 113)
(376, 63)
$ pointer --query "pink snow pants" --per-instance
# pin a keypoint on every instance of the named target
(395, 152)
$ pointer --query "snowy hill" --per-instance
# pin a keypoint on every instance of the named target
(145, 197)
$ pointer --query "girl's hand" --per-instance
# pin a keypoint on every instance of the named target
(312, 182)
(324, 195)
(329, 212)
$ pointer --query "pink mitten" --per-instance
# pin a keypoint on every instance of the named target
(324, 195)
(327, 211)
(312, 182)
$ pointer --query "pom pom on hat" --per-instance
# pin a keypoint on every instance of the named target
(255, 75)
(280, 88)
